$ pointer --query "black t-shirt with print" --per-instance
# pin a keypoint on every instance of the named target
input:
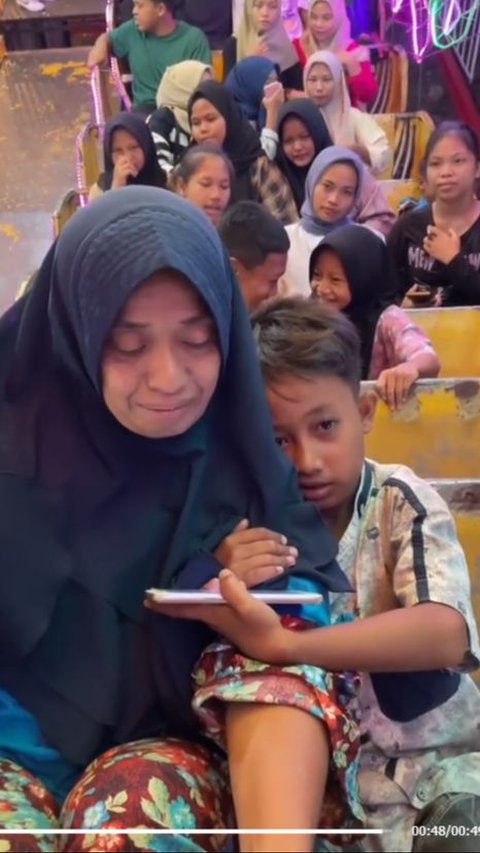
(460, 279)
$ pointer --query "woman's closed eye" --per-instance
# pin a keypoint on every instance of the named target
(128, 344)
(200, 343)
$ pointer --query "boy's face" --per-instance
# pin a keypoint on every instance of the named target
(261, 282)
(320, 425)
(147, 14)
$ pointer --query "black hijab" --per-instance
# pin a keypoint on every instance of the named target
(151, 175)
(241, 142)
(311, 117)
(92, 514)
(365, 259)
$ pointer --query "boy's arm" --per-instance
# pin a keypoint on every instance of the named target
(428, 637)
(99, 52)
(116, 41)
(432, 628)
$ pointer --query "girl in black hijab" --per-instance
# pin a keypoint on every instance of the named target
(128, 452)
(303, 134)
(351, 271)
(216, 117)
(129, 156)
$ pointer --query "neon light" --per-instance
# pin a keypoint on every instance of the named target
(435, 24)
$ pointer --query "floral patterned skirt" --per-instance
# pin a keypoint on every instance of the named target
(143, 786)
(173, 784)
(224, 675)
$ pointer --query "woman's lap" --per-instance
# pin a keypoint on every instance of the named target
(145, 785)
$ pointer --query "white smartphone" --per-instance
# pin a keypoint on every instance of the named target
(271, 89)
(199, 596)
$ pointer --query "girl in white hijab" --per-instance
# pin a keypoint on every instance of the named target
(329, 28)
(325, 85)
(261, 32)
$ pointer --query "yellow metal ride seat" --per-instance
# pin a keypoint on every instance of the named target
(89, 157)
(408, 134)
(454, 333)
(437, 431)
(463, 499)
(67, 206)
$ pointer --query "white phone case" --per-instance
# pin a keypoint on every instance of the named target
(199, 596)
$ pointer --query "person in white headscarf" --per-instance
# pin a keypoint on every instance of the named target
(329, 28)
(325, 85)
(261, 32)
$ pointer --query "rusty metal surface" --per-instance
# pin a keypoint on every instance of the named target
(44, 102)
(54, 9)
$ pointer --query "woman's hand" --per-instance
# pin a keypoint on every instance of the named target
(123, 170)
(442, 245)
(394, 384)
(254, 554)
(351, 64)
(249, 624)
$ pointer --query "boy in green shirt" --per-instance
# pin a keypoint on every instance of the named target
(151, 41)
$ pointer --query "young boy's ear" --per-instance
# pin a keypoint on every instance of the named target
(237, 266)
(367, 405)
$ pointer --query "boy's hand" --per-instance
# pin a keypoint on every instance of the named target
(255, 555)
(249, 624)
(394, 384)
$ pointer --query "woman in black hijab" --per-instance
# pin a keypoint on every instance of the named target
(129, 156)
(128, 452)
(215, 117)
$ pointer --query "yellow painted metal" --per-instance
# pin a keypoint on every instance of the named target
(400, 191)
(217, 65)
(463, 499)
(437, 432)
(67, 206)
(89, 152)
(408, 134)
(455, 333)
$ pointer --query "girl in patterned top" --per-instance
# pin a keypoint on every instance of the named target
(350, 270)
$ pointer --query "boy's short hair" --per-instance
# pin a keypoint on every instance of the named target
(304, 338)
(250, 233)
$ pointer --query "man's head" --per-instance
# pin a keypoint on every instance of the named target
(151, 16)
(310, 360)
(258, 246)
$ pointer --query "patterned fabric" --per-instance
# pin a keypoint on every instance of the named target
(396, 340)
(224, 675)
(273, 190)
(144, 785)
(401, 549)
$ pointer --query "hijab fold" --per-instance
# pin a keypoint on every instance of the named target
(329, 157)
(280, 49)
(93, 514)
